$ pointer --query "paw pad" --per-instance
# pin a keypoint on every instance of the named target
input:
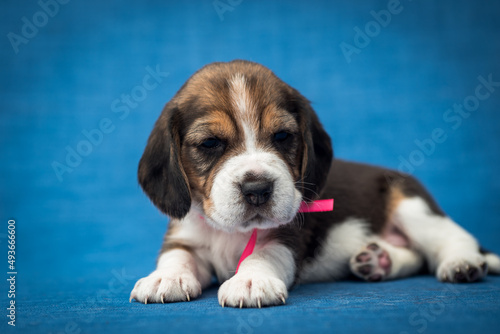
(372, 263)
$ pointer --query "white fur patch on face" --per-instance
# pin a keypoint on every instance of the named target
(229, 211)
(239, 95)
(242, 103)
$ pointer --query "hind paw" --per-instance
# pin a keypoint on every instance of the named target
(372, 263)
(462, 270)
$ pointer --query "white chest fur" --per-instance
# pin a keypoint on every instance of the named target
(217, 250)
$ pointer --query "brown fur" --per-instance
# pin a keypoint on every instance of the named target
(174, 170)
(169, 243)
(172, 162)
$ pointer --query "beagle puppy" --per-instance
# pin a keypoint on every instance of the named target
(237, 149)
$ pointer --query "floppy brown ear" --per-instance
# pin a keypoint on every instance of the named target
(318, 152)
(160, 173)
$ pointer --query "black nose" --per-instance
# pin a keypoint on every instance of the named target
(257, 192)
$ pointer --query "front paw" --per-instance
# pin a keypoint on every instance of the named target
(463, 269)
(243, 290)
(165, 287)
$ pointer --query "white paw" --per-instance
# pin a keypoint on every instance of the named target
(372, 263)
(166, 287)
(243, 290)
(463, 268)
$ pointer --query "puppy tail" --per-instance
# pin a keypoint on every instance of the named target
(493, 262)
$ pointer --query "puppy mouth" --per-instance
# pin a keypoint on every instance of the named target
(255, 220)
(246, 222)
(227, 210)
(260, 222)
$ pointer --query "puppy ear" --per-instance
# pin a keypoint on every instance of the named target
(318, 152)
(160, 172)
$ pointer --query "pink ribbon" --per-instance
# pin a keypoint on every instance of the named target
(321, 205)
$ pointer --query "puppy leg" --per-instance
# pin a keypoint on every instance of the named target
(451, 252)
(380, 260)
(177, 278)
(263, 279)
(493, 262)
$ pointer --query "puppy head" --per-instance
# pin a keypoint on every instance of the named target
(237, 144)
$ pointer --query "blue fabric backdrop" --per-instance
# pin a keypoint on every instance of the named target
(387, 79)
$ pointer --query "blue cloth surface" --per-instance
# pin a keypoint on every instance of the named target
(383, 77)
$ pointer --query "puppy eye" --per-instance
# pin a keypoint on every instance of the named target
(281, 136)
(211, 143)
